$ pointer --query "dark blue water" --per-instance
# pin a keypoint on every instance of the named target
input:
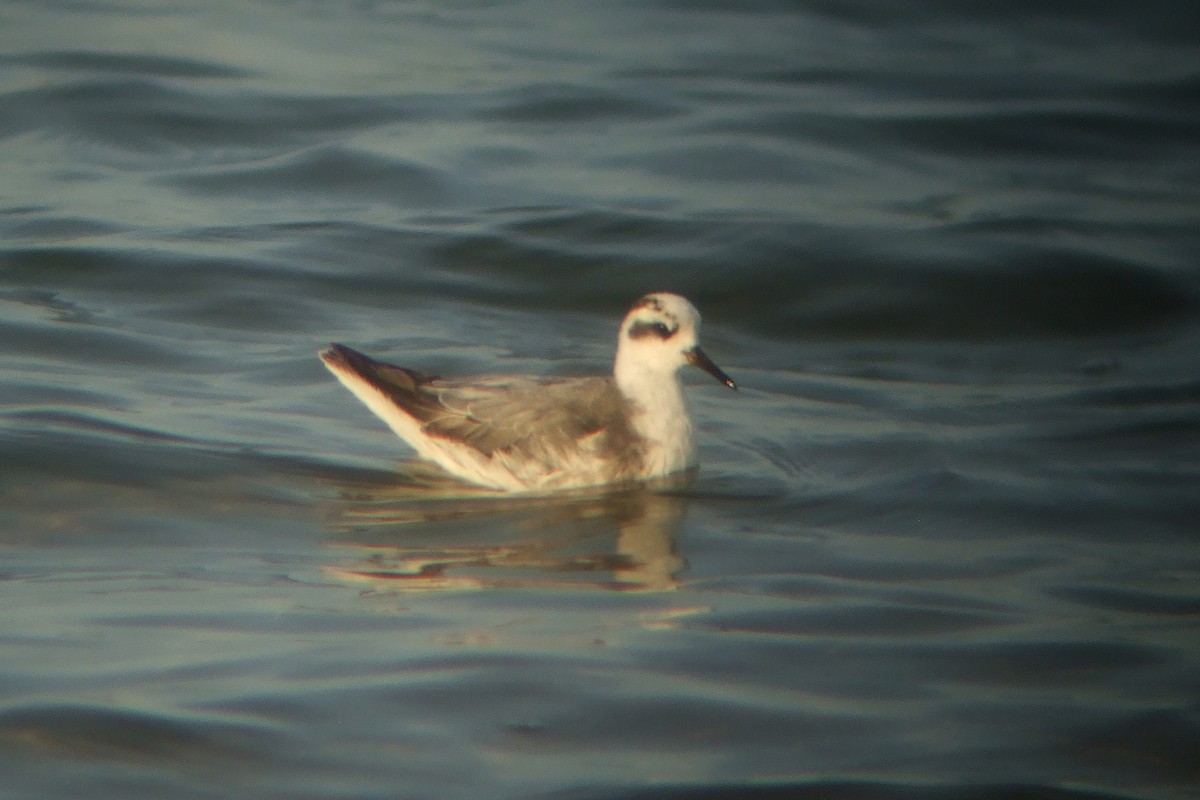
(944, 542)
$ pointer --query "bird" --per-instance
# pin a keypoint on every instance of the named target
(545, 434)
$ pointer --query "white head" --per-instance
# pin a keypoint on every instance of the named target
(658, 336)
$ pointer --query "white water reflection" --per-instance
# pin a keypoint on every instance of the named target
(417, 537)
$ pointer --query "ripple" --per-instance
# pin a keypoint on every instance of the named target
(730, 162)
(1129, 601)
(332, 173)
(53, 228)
(84, 732)
(125, 64)
(141, 115)
(1045, 664)
(886, 621)
(558, 104)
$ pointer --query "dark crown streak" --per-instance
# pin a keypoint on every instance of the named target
(649, 301)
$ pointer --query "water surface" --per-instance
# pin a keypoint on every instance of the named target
(943, 542)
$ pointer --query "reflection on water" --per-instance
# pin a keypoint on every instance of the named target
(428, 534)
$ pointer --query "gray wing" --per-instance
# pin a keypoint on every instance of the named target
(532, 418)
(526, 418)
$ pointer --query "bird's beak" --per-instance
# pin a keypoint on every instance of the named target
(697, 358)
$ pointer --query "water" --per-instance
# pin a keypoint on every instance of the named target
(943, 543)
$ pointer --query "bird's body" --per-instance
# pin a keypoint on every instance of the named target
(517, 433)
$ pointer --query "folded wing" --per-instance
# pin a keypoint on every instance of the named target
(534, 427)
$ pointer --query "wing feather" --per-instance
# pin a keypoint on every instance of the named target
(534, 426)
(527, 417)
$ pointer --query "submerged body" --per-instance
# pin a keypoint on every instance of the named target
(519, 433)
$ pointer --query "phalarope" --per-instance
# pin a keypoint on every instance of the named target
(531, 434)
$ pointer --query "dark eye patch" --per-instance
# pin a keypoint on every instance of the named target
(640, 330)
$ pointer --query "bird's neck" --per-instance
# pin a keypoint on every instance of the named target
(659, 415)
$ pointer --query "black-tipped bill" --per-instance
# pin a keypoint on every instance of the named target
(697, 358)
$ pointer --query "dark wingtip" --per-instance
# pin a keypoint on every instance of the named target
(334, 354)
(338, 356)
(388, 378)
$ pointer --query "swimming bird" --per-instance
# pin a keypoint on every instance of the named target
(536, 434)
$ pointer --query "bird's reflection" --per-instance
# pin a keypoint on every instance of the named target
(433, 534)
